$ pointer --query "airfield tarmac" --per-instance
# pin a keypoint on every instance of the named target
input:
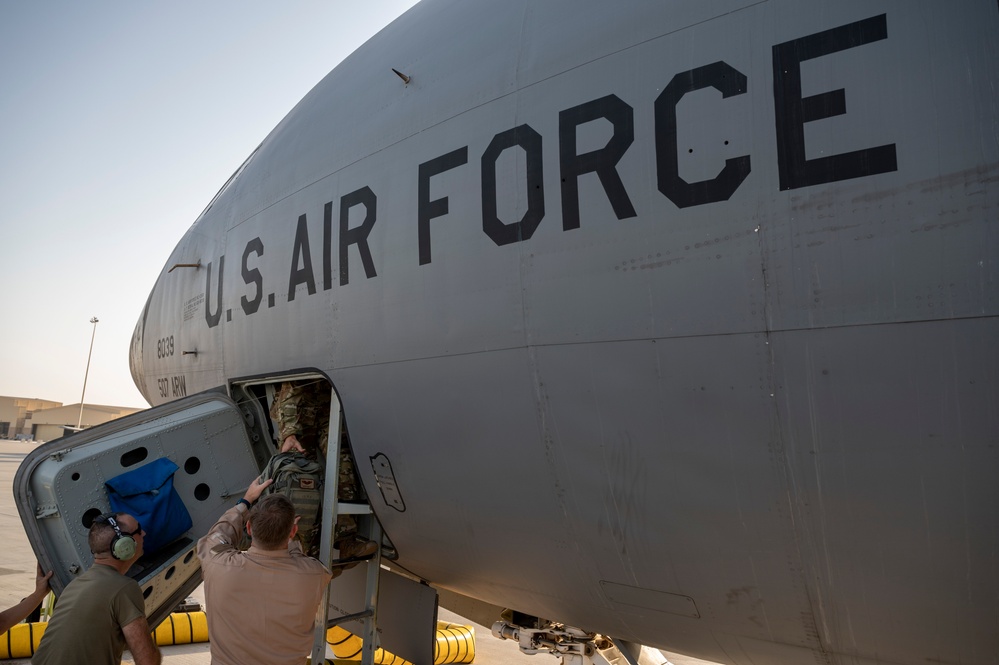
(17, 579)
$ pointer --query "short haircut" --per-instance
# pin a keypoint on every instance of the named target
(271, 520)
(101, 534)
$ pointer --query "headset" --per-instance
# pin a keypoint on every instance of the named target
(123, 545)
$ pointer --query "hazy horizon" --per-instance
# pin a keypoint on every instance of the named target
(120, 123)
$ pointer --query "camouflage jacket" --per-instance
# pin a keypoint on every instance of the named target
(302, 408)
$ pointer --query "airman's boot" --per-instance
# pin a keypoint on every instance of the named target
(356, 548)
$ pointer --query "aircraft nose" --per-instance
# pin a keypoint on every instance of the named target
(135, 353)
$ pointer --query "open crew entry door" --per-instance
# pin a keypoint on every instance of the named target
(60, 488)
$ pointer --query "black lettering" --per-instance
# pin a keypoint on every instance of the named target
(792, 111)
(358, 235)
(301, 253)
(213, 318)
(252, 277)
(729, 82)
(328, 246)
(427, 209)
(603, 161)
(530, 141)
(164, 347)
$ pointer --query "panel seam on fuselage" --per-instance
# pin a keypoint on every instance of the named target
(676, 337)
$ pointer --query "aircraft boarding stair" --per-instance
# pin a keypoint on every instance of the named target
(385, 609)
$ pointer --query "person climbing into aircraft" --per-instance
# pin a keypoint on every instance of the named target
(260, 603)
(103, 610)
(301, 410)
(12, 615)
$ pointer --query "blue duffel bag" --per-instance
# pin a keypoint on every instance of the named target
(148, 495)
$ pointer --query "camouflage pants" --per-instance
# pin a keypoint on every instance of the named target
(347, 491)
(345, 529)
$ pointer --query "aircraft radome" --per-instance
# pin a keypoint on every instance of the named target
(676, 321)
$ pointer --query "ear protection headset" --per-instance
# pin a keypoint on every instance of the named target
(122, 545)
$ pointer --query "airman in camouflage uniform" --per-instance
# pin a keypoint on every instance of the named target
(301, 410)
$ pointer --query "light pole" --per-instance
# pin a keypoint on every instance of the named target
(94, 334)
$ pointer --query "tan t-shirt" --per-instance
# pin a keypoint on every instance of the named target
(261, 604)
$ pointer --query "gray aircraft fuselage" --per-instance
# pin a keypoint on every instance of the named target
(677, 320)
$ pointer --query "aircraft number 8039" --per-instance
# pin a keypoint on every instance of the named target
(164, 347)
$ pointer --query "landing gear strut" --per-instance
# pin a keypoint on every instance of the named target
(572, 645)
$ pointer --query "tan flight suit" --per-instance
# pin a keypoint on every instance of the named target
(261, 604)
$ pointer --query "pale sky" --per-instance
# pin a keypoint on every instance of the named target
(118, 123)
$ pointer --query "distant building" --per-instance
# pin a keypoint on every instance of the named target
(14, 411)
(49, 424)
(45, 420)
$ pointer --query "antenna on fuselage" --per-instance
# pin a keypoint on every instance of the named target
(196, 266)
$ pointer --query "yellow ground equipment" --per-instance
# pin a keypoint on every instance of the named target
(455, 644)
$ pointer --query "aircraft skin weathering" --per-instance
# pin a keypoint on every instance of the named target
(677, 320)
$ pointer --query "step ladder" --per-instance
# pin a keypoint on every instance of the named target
(369, 526)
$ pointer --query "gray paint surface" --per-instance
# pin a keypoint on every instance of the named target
(780, 405)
